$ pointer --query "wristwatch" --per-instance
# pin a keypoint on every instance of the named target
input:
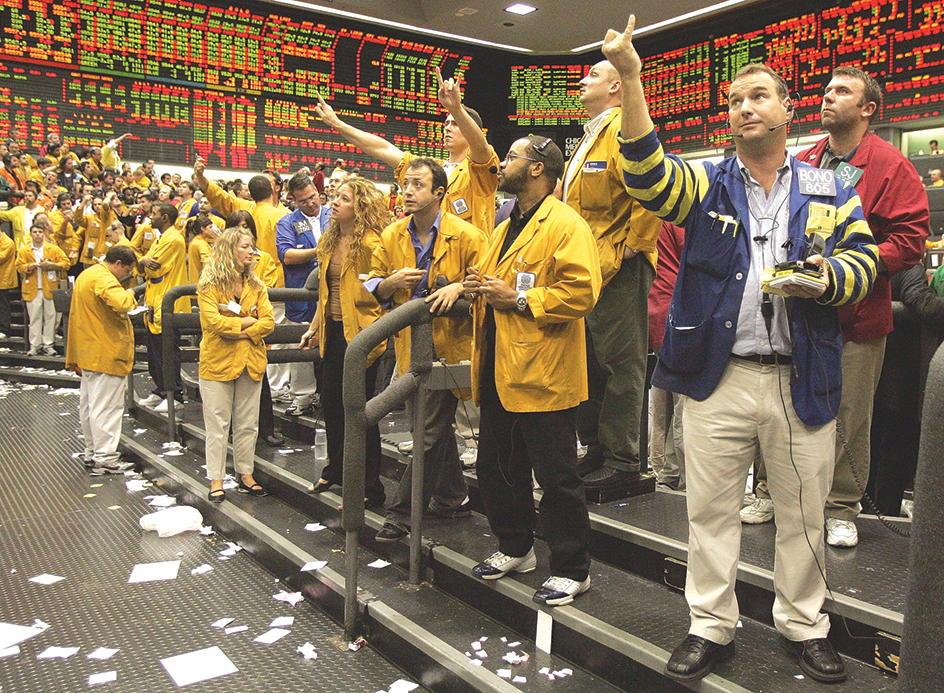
(521, 303)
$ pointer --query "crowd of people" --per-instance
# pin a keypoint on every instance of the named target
(593, 262)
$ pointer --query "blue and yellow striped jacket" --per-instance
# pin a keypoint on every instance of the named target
(702, 319)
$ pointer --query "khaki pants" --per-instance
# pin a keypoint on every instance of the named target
(225, 401)
(724, 434)
(667, 447)
(42, 321)
(101, 406)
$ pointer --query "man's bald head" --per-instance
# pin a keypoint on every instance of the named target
(600, 88)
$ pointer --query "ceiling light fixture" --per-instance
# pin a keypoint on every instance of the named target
(398, 25)
(520, 8)
(640, 31)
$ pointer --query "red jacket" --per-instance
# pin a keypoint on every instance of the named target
(671, 240)
(896, 207)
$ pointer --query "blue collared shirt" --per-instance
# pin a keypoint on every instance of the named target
(424, 260)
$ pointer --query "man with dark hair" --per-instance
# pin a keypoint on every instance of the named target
(100, 348)
(759, 364)
(934, 149)
(424, 257)
(164, 267)
(296, 241)
(537, 281)
(896, 207)
(185, 191)
(617, 329)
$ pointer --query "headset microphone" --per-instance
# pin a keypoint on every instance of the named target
(727, 122)
(792, 113)
(493, 169)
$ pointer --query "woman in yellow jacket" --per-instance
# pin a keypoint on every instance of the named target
(345, 307)
(201, 232)
(236, 316)
(40, 262)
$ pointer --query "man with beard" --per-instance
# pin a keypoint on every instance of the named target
(540, 277)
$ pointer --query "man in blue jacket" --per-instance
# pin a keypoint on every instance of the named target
(761, 371)
(296, 239)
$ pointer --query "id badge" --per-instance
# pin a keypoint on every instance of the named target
(816, 181)
(848, 174)
(524, 281)
(302, 226)
(460, 206)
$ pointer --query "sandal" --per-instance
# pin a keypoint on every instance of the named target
(216, 495)
(254, 490)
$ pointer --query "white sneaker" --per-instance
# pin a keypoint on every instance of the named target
(758, 512)
(150, 400)
(558, 591)
(3, 335)
(118, 468)
(841, 532)
(406, 447)
(161, 406)
(499, 564)
(469, 457)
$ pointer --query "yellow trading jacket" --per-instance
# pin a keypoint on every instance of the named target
(541, 357)
(359, 307)
(171, 251)
(471, 192)
(25, 258)
(223, 359)
(599, 196)
(89, 239)
(458, 246)
(7, 262)
(101, 338)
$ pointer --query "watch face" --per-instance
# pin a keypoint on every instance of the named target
(521, 302)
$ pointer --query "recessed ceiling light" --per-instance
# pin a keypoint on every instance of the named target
(520, 8)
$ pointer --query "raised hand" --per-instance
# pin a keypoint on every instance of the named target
(619, 50)
(326, 113)
(449, 94)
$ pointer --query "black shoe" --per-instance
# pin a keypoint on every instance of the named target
(320, 486)
(694, 658)
(374, 503)
(216, 496)
(818, 659)
(391, 532)
(464, 509)
(274, 440)
(254, 490)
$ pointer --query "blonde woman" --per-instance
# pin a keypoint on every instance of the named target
(345, 307)
(236, 315)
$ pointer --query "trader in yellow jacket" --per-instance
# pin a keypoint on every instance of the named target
(540, 277)
(8, 281)
(164, 267)
(425, 256)
(40, 264)
(100, 348)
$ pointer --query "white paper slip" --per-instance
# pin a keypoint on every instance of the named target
(314, 527)
(288, 597)
(135, 485)
(379, 563)
(102, 653)
(206, 530)
(222, 623)
(46, 579)
(201, 569)
(153, 572)
(272, 636)
(104, 677)
(403, 686)
(504, 673)
(235, 629)
(54, 652)
(519, 679)
(137, 311)
(313, 565)
(10, 651)
(282, 621)
(162, 501)
(307, 651)
(200, 665)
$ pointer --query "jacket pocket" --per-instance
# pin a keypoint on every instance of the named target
(685, 349)
(594, 188)
(524, 365)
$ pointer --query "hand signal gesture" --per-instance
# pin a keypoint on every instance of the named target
(619, 50)
(449, 94)
(326, 113)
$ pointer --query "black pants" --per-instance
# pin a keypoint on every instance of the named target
(266, 417)
(510, 446)
(157, 363)
(333, 348)
(5, 325)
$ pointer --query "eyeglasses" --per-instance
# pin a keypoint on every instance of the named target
(516, 156)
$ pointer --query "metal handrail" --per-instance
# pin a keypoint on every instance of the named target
(283, 334)
(359, 413)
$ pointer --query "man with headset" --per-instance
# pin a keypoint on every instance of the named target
(896, 207)
(761, 372)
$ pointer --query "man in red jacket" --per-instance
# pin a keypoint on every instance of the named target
(896, 207)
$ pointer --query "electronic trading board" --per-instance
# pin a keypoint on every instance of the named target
(235, 85)
(898, 42)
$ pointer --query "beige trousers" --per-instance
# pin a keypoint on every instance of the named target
(743, 417)
(225, 401)
(101, 406)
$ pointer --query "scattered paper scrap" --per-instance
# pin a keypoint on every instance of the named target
(515, 658)
(153, 572)
(172, 453)
(222, 623)
(104, 677)
(96, 485)
(201, 569)
(544, 671)
(114, 507)
(271, 636)
(403, 686)
(231, 549)
(355, 645)
(481, 654)
(39, 625)
(90, 495)
(161, 501)
(139, 431)
(282, 621)
(102, 653)
(10, 651)
(307, 651)
(313, 565)
(46, 579)
(200, 665)
(172, 445)
(504, 673)
(476, 646)
(78, 455)
(519, 679)
(286, 451)
(53, 652)
(379, 563)
(136, 485)
(288, 597)
(514, 644)
(476, 662)
(315, 527)
(206, 530)
(235, 629)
